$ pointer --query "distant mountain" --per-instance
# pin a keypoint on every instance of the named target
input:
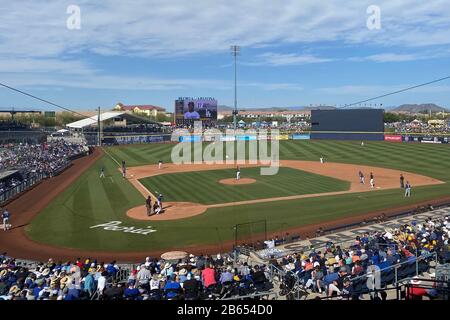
(417, 108)
(222, 108)
(318, 108)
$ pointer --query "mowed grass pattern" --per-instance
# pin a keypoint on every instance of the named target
(67, 220)
(204, 187)
(427, 159)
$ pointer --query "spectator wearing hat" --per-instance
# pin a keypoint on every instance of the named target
(316, 279)
(191, 287)
(143, 276)
(227, 276)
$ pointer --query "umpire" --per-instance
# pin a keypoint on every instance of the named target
(148, 204)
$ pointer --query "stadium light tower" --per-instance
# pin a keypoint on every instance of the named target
(235, 52)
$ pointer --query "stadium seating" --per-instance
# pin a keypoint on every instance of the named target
(185, 279)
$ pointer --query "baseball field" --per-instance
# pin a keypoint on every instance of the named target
(90, 213)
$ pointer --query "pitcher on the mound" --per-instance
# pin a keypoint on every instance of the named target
(238, 173)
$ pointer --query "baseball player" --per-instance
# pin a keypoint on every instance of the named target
(148, 204)
(321, 159)
(160, 164)
(362, 143)
(361, 177)
(5, 217)
(407, 189)
(124, 169)
(124, 172)
(372, 181)
(402, 181)
(159, 200)
(102, 172)
(238, 173)
(156, 208)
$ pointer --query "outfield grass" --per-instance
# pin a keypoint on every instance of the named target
(90, 201)
(204, 187)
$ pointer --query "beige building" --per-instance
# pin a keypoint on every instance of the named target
(145, 109)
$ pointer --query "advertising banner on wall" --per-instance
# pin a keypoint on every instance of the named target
(262, 137)
(281, 137)
(431, 140)
(392, 138)
(412, 139)
(300, 136)
(245, 138)
(190, 139)
(228, 138)
(138, 139)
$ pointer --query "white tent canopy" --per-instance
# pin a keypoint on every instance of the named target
(93, 120)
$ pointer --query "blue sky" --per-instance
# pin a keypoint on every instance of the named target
(294, 52)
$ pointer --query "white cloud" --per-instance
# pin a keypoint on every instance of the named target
(401, 57)
(387, 57)
(168, 28)
(25, 65)
(288, 59)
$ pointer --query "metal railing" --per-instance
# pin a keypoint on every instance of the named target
(264, 294)
(370, 277)
(10, 193)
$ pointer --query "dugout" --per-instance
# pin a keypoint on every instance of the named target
(351, 124)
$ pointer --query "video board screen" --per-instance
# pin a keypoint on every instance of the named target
(353, 120)
(188, 110)
(350, 124)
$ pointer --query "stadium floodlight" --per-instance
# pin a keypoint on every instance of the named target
(235, 50)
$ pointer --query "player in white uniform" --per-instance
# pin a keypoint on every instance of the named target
(5, 218)
(102, 172)
(321, 159)
(238, 173)
(160, 164)
(361, 177)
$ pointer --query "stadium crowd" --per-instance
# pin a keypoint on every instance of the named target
(331, 272)
(418, 127)
(47, 159)
(41, 158)
(196, 277)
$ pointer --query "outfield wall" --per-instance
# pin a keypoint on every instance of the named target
(356, 136)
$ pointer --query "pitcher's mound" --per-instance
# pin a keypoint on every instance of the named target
(233, 181)
(172, 211)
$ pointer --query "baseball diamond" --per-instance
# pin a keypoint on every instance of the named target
(209, 158)
(304, 195)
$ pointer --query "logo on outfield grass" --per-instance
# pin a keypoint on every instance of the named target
(233, 143)
(114, 226)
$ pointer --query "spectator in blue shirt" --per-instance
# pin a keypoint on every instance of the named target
(226, 276)
(131, 292)
(172, 288)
